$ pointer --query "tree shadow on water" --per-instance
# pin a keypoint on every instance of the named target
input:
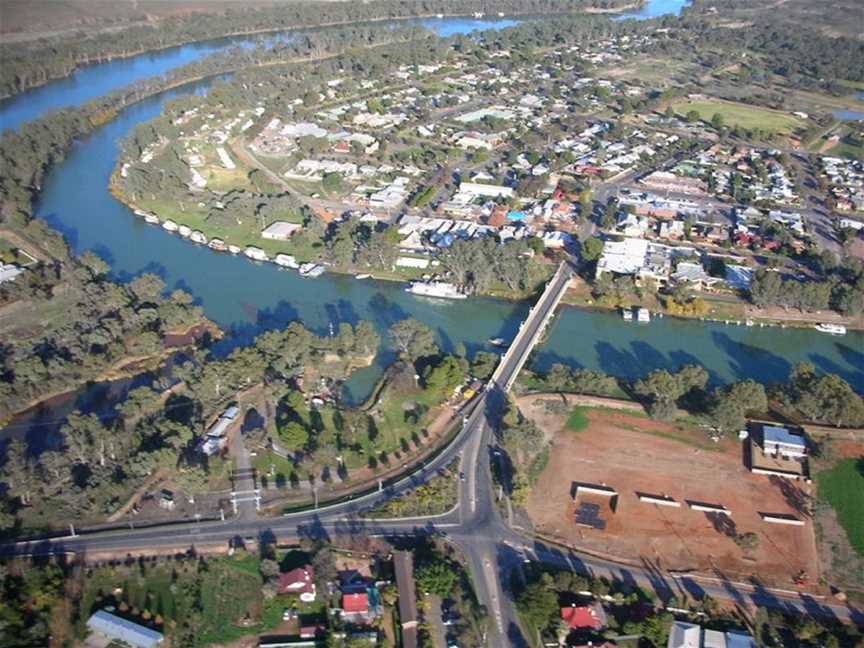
(748, 361)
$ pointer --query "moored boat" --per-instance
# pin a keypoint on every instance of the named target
(311, 270)
(435, 289)
(286, 261)
(833, 329)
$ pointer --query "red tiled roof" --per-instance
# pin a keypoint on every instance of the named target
(355, 602)
(300, 580)
(583, 616)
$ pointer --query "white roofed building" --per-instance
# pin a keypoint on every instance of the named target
(280, 231)
(116, 628)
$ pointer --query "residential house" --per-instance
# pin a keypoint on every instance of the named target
(584, 617)
(300, 581)
(690, 635)
(684, 635)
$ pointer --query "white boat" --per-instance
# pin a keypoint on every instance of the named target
(169, 226)
(235, 249)
(286, 261)
(312, 270)
(255, 253)
(198, 237)
(833, 329)
(498, 342)
(435, 289)
(643, 315)
(151, 218)
(363, 276)
(217, 244)
(627, 314)
(185, 231)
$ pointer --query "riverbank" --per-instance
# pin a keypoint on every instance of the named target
(274, 248)
(124, 369)
(732, 312)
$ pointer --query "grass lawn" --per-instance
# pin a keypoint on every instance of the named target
(390, 428)
(843, 487)
(734, 114)
(577, 421)
(847, 150)
(242, 235)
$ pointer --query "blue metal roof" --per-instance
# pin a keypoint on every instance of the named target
(776, 434)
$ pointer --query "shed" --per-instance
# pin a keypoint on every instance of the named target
(114, 627)
(280, 231)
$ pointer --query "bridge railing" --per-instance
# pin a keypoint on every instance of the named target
(525, 327)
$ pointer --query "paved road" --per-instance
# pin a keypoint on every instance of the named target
(491, 548)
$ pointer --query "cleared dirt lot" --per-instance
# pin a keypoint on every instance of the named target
(632, 454)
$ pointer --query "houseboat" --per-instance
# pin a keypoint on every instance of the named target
(198, 237)
(153, 219)
(435, 289)
(833, 329)
(311, 270)
(185, 231)
(643, 315)
(627, 314)
(286, 261)
(255, 253)
(169, 226)
(235, 249)
(217, 244)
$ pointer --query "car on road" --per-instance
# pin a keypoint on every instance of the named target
(461, 476)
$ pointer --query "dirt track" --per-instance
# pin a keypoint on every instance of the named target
(626, 453)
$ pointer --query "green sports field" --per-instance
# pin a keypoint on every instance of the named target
(741, 115)
(843, 487)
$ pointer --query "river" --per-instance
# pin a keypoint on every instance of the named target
(246, 298)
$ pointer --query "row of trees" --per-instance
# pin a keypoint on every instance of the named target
(818, 397)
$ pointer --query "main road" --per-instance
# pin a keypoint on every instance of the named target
(494, 552)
